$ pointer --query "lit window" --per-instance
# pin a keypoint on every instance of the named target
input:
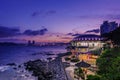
(96, 39)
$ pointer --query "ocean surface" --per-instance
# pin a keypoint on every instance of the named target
(21, 54)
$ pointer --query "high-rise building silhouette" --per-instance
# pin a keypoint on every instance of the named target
(29, 42)
(107, 27)
(33, 42)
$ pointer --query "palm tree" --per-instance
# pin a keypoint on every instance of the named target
(79, 73)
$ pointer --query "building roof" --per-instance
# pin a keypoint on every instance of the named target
(88, 37)
(70, 47)
(82, 64)
(82, 47)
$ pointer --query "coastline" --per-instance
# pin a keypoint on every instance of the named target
(53, 66)
(16, 69)
(48, 70)
(15, 72)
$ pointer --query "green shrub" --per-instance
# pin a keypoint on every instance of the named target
(73, 57)
(68, 53)
(96, 52)
(93, 77)
(79, 73)
(75, 60)
(67, 59)
(109, 64)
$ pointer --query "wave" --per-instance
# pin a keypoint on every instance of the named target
(4, 68)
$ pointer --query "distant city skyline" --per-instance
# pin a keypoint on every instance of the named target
(53, 20)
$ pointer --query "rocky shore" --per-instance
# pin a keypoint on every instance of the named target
(51, 70)
(57, 68)
(12, 71)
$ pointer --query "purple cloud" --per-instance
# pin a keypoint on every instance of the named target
(115, 16)
(50, 12)
(7, 32)
(100, 16)
(70, 34)
(35, 32)
(66, 38)
(77, 34)
(73, 34)
(93, 30)
(43, 13)
(35, 14)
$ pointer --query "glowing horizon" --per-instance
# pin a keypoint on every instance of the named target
(38, 20)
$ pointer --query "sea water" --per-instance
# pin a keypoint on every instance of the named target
(19, 55)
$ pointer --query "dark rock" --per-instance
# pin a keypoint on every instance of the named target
(11, 64)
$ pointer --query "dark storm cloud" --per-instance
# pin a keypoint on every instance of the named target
(7, 32)
(93, 30)
(43, 13)
(35, 32)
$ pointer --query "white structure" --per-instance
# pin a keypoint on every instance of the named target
(88, 40)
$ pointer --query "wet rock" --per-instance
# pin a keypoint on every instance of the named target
(11, 64)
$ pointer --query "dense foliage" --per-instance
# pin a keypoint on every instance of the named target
(109, 64)
(93, 77)
(64, 54)
(67, 58)
(75, 60)
(79, 73)
(96, 52)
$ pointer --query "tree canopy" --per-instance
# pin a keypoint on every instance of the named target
(109, 64)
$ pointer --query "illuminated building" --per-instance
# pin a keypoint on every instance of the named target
(85, 43)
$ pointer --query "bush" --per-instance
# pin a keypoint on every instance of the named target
(75, 60)
(109, 64)
(64, 54)
(96, 52)
(67, 59)
(79, 73)
(73, 57)
(68, 53)
(93, 77)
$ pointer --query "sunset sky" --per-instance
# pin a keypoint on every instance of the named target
(53, 20)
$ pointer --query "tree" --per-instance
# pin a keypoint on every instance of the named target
(93, 77)
(109, 64)
(79, 73)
